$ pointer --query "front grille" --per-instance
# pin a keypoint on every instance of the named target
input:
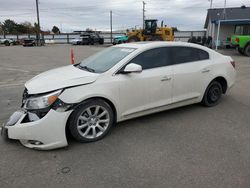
(25, 96)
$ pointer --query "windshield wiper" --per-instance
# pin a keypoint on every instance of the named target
(87, 68)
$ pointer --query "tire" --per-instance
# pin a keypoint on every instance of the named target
(148, 38)
(6, 43)
(212, 94)
(133, 39)
(247, 50)
(92, 42)
(101, 41)
(156, 38)
(91, 121)
(241, 51)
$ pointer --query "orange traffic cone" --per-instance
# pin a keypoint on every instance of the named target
(72, 56)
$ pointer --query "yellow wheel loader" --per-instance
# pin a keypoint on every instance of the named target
(151, 33)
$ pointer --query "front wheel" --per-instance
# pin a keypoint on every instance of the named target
(91, 121)
(212, 94)
(247, 50)
(6, 43)
(157, 38)
(241, 51)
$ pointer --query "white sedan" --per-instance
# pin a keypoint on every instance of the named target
(116, 84)
(76, 41)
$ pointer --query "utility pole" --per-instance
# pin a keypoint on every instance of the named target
(211, 4)
(143, 14)
(224, 10)
(38, 24)
(61, 28)
(111, 34)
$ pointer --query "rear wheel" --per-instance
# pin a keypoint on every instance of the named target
(247, 50)
(101, 41)
(212, 94)
(91, 121)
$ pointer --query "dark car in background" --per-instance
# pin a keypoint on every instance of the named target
(96, 38)
(88, 38)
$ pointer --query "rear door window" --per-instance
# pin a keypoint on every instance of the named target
(188, 54)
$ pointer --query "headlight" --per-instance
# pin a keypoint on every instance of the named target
(40, 102)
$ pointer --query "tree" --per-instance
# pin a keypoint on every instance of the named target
(28, 27)
(55, 30)
(10, 27)
(21, 29)
(1, 29)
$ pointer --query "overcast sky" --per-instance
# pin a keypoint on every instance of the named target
(70, 15)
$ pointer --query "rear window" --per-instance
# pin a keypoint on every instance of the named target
(203, 54)
(188, 54)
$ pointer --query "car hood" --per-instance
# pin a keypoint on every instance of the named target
(117, 37)
(58, 78)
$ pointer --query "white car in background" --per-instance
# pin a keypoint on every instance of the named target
(76, 41)
(116, 84)
(6, 42)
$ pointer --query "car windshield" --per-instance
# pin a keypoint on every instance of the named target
(105, 59)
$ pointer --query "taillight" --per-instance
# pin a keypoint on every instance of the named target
(237, 40)
(233, 63)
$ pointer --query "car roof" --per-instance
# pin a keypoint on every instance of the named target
(154, 44)
(146, 45)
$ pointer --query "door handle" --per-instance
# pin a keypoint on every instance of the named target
(165, 78)
(205, 70)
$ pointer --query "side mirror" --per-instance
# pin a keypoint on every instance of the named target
(132, 67)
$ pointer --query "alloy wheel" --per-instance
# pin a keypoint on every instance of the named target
(93, 122)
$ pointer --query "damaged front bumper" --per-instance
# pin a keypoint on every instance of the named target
(43, 133)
